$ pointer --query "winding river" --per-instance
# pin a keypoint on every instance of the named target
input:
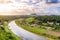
(24, 34)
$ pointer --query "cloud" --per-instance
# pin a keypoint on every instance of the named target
(27, 7)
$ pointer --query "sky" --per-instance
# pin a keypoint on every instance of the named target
(27, 7)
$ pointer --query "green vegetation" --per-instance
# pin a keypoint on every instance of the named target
(29, 20)
(5, 33)
(48, 26)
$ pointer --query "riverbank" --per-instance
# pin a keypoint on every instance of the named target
(38, 31)
(24, 34)
(5, 33)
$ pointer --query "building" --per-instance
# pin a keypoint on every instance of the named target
(52, 1)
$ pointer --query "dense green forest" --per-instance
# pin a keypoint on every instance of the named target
(51, 21)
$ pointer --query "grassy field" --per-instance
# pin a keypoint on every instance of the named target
(38, 31)
(27, 25)
(5, 33)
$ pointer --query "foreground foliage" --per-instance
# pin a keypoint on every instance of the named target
(5, 33)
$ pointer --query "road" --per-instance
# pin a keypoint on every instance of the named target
(24, 34)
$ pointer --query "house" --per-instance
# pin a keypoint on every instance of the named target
(34, 25)
(50, 23)
(52, 1)
(57, 23)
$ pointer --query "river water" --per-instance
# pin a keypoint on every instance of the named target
(25, 35)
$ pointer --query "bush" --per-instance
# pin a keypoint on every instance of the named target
(58, 38)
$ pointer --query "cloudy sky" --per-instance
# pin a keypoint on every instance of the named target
(27, 7)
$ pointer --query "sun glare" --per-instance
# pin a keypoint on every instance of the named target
(17, 7)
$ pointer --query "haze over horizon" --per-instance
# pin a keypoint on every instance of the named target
(27, 7)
